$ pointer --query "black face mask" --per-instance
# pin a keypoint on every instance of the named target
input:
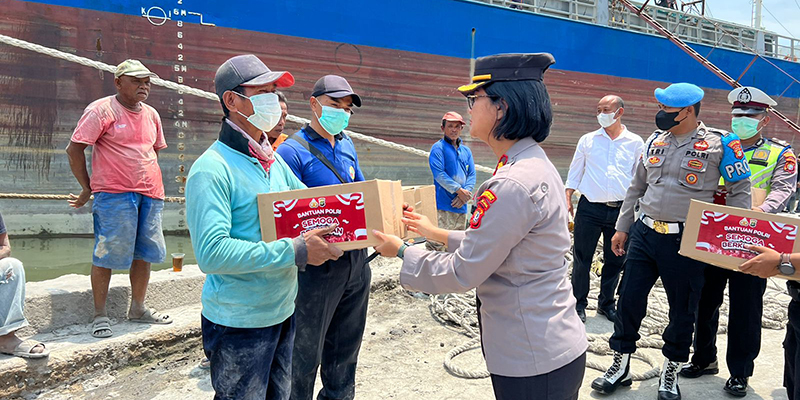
(666, 121)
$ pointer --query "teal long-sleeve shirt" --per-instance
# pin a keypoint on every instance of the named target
(249, 283)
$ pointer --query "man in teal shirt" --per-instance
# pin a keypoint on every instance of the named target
(249, 293)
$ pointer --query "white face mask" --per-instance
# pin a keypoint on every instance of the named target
(606, 120)
(266, 111)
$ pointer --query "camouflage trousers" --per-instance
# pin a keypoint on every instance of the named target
(450, 221)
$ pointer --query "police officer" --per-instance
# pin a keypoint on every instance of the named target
(767, 264)
(513, 251)
(774, 169)
(683, 160)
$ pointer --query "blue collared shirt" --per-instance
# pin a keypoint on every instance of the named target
(452, 168)
(312, 171)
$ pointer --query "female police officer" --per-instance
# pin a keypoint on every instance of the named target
(513, 252)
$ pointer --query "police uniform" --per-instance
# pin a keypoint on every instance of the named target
(513, 252)
(774, 169)
(673, 170)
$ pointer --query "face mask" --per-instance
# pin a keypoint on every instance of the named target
(666, 121)
(606, 120)
(745, 127)
(333, 120)
(266, 111)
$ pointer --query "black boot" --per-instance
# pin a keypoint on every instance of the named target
(736, 386)
(692, 370)
(619, 374)
(668, 382)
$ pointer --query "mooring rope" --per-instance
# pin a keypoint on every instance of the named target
(460, 310)
(202, 93)
(27, 196)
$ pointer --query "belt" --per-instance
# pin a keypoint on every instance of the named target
(661, 227)
(614, 204)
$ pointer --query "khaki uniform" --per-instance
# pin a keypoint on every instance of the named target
(450, 221)
(513, 252)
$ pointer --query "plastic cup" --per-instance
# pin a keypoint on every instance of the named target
(177, 262)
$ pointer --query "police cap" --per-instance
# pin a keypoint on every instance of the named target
(508, 67)
(748, 100)
(680, 95)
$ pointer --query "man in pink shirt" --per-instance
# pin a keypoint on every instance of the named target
(125, 135)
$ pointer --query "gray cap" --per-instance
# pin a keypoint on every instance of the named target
(248, 70)
(335, 86)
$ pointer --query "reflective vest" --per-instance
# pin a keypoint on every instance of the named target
(762, 161)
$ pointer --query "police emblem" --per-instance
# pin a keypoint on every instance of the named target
(482, 203)
(653, 160)
(313, 204)
(701, 145)
(691, 178)
(352, 173)
(760, 155)
(790, 166)
(736, 146)
(321, 202)
(695, 164)
(744, 96)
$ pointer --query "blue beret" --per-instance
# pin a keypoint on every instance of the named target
(679, 95)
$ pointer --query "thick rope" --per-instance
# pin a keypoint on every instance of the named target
(460, 310)
(25, 196)
(202, 93)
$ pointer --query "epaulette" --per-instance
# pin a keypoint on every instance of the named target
(720, 132)
(779, 142)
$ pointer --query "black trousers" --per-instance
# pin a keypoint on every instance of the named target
(791, 374)
(746, 294)
(592, 220)
(331, 312)
(561, 384)
(652, 255)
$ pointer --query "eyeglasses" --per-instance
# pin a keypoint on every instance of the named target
(471, 99)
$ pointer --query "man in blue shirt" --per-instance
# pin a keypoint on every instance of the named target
(453, 175)
(331, 307)
(248, 323)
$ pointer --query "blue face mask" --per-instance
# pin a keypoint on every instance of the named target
(333, 120)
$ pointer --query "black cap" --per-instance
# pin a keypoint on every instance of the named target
(508, 67)
(335, 86)
(248, 70)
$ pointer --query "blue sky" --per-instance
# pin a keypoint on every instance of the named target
(739, 11)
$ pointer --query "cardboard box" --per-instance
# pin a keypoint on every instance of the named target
(717, 234)
(357, 208)
(423, 199)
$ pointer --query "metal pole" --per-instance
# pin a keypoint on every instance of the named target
(757, 14)
(472, 56)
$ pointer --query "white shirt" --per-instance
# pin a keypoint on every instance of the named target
(602, 168)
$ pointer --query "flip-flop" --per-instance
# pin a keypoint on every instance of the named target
(101, 324)
(151, 316)
(24, 350)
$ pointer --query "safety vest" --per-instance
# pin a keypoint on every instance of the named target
(762, 161)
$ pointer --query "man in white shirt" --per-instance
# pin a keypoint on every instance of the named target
(601, 170)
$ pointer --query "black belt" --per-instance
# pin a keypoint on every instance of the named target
(612, 204)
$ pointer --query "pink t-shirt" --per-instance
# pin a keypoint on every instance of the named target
(125, 143)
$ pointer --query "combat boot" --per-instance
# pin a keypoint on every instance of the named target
(668, 382)
(619, 374)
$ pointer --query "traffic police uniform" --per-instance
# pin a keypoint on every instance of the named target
(673, 171)
(774, 169)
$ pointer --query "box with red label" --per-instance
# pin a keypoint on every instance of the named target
(423, 199)
(357, 208)
(718, 234)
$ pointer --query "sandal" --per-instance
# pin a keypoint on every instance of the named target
(151, 316)
(101, 327)
(24, 350)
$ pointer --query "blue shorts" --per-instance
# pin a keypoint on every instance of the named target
(127, 227)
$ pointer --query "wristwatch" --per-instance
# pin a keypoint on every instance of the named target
(786, 267)
(402, 249)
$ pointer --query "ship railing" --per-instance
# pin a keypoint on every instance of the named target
(579, 10)
(689, 26)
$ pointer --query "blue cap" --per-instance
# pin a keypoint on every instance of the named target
(680, 95)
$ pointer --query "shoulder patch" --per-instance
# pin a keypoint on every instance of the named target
(482, 204)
